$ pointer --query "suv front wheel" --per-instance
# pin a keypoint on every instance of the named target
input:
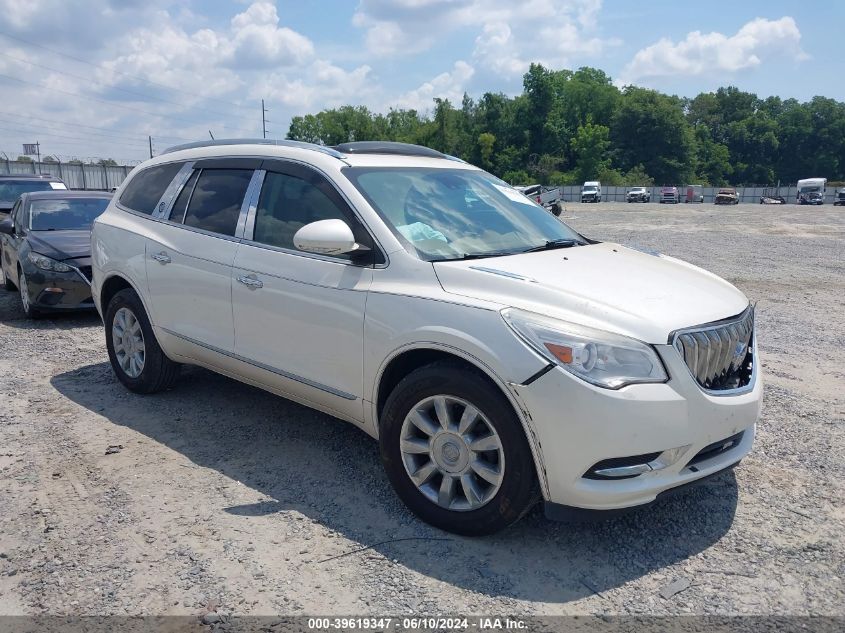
(456, 452)
(135, 355)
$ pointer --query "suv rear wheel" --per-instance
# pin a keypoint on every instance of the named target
(455, 451)
(135, 355)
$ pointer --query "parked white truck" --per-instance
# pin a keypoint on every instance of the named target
(591, 191)
(811, 191)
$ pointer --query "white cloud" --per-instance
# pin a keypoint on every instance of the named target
(258, 39)
(448, 85)
(323, 85)
(510, 35)
(716, 53)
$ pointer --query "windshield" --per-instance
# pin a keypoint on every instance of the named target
(65, 215)
(810, 189)
(445, 214)
(10, 190)
(590, 188)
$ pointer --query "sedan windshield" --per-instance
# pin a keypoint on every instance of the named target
(445, 214)
(10, 190)
(65, 215)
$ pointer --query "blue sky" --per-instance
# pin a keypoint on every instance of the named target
(95, 77)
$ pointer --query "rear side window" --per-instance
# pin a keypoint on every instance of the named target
(145, 190)
(216, 201)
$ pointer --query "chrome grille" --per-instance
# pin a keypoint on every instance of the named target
(719, 355)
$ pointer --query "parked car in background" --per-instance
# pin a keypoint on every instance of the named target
(45, 249)
(811, 190)
(549, 197)
(591, 191)
(695, 193)
(726, 195)
(839, 197)
(638, 194)
(12, 186)
(771, 195)
(427, 302)
(669, 195)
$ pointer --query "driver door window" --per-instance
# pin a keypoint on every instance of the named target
(288, 202)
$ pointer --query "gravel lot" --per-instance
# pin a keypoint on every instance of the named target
(221, 496)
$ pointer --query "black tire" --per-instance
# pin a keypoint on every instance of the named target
(519, 490)
(159, 372)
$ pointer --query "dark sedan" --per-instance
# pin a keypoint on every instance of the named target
(14, 185)
(45, 249)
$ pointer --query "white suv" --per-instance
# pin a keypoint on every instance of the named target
(499, 357)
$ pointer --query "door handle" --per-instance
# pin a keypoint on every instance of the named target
(161, 258)
(250, 281)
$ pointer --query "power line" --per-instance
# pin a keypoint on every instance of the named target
(47, 126)
(109, 103)
(119, 72)
(81, 125)
(52, 134)
(131, 92)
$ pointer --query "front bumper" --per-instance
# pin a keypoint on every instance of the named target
(60, 291)
(578, 425)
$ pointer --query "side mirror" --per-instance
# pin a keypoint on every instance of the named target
(6, 226)
(326, 237)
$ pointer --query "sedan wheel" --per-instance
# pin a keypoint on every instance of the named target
(23, 287)
(452, 453)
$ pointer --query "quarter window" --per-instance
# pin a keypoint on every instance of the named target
(287, 203)
(216, 201)
(177, 214)
(145, 190)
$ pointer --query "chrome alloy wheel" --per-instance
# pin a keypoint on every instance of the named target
(452, 453)
(128, 341)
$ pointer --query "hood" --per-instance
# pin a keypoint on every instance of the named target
(606, 286)
(61, 244)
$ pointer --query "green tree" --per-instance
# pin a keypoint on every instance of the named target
(24, 159)
(590, 145)
(650, 129)
(486, 141)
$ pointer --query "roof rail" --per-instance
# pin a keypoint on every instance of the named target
(256, 141)
(387, 147)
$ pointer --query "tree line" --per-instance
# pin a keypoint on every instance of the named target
(570, 126)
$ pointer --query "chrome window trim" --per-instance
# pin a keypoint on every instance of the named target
(246, 221)
(270, 368)
(673, 337)
(165, 203)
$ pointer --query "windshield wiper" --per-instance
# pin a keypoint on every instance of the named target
(466, 256)
(553, 244)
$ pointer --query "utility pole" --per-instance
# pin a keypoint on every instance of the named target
(38, 154)
(151, 145)
(264, 120)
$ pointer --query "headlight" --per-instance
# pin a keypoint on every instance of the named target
(601, 358)
(45, 263)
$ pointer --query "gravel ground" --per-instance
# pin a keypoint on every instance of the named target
(218, 496)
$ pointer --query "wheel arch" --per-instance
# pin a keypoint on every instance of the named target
(408, 358)
(113, 284)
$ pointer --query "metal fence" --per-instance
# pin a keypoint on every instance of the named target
(75, 175)
(789, 193)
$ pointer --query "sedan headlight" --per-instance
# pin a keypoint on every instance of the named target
(602, 358)
(45, 263)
